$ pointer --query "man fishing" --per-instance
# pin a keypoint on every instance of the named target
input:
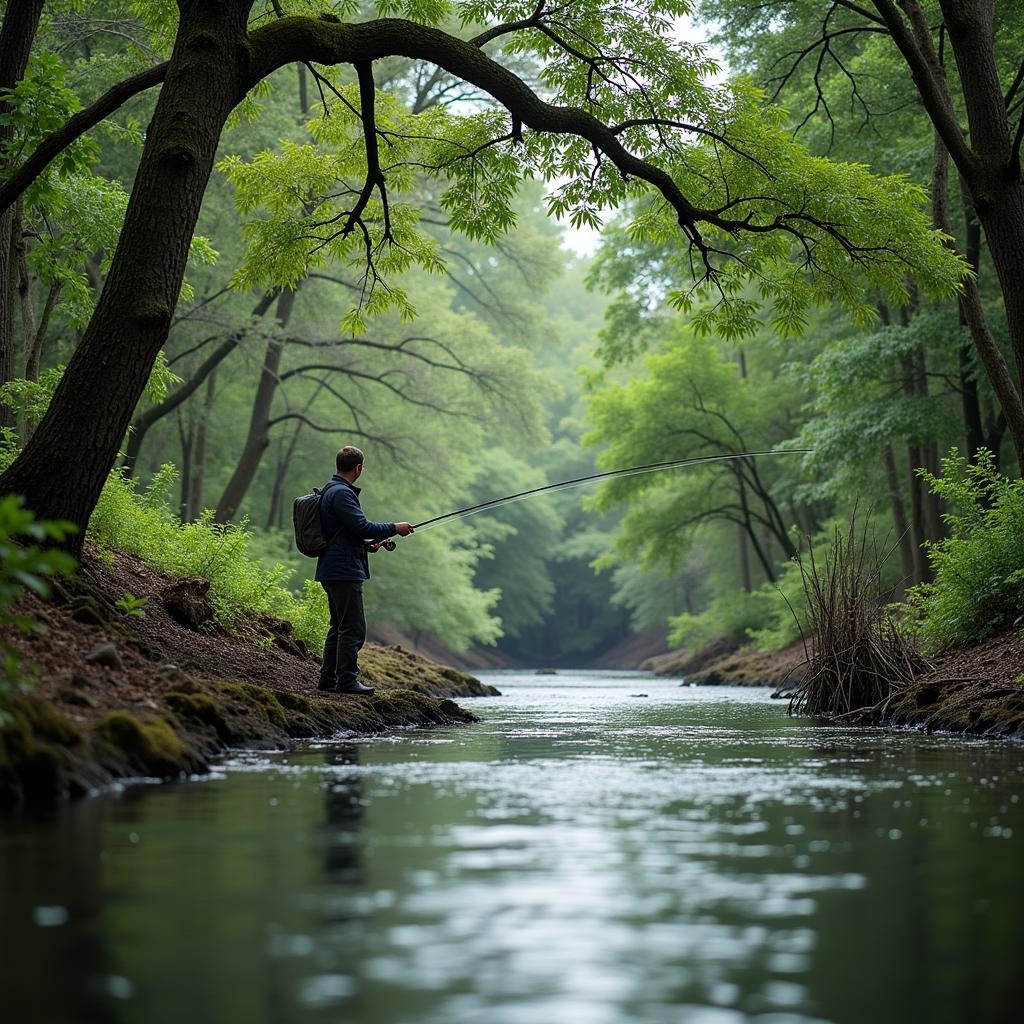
(343, 567)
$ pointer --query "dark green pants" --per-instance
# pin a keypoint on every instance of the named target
(346, 636)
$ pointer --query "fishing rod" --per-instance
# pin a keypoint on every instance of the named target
(653, 467)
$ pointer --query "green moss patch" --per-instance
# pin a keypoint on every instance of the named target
(148, 746)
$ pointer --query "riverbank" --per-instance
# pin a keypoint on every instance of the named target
(721, 663)
(976, 690)
(164, 693)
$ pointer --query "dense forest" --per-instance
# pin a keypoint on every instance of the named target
(798, 248)
(646, 378)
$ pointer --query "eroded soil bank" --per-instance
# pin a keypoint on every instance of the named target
(972, 690)
(163, 694)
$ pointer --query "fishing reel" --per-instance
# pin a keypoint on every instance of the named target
(387, 545)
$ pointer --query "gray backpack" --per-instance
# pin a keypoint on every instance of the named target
(309, 534)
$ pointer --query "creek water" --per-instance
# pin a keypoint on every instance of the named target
(602, 848)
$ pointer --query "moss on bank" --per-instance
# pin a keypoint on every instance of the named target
(45, 756)
(975, 690)
(161, 695)
(961, 706)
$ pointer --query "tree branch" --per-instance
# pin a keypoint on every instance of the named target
(74, 128)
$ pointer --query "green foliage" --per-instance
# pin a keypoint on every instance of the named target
(732, 616)
(773, 615)
(978, 571)
(522, 538)
(141, 524)
(26, 562)
(132, 607)
(31, 399)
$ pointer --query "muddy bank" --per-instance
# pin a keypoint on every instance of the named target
(164, 694)
(721, 663)
(976, 690)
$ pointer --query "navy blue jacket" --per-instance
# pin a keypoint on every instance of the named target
(340, 514)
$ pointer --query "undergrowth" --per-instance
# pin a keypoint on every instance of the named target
(857, 655)
(977, 586)
(141, 523)
(25, 563)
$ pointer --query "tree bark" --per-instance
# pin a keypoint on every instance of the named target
(899, 517)
(989, 171)
(994, 179)
(26, 296)
(61, 471)
(970, 399)
(258, 438)
(21, 21)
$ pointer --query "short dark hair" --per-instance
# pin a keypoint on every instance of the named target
(348, 458)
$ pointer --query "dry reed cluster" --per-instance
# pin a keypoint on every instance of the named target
(856, 656)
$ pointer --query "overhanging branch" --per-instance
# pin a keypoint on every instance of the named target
(74, 128)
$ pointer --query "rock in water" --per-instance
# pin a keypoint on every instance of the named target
(546, 672)
(186, 602)
(105, 654)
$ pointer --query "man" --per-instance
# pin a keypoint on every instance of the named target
(343, 567)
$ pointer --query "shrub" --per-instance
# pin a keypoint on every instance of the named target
(856, 654)
(978, 571)
(142, 524)
(731, 615)
(25, 563)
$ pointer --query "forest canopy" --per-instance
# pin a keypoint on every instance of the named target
(238, 235)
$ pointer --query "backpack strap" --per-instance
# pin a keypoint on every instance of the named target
(341, 529)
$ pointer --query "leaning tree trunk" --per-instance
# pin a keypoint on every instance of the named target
(258, 438)
(58, 475)
(21, 21)
(996, 186)
(989, 171)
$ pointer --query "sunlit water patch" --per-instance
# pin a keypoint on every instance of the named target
(584, 854)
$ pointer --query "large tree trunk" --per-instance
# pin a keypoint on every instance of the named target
(258, 438)
(995, 179)
(989, 176)
(59, 474)
(21, 21)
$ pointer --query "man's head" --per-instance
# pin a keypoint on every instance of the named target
(349, 462)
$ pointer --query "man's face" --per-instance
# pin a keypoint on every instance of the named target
(357, 472)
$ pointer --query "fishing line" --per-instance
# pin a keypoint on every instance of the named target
(654, 467)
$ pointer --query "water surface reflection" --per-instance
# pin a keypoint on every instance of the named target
(583, 855)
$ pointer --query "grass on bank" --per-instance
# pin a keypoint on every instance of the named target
(141, 523)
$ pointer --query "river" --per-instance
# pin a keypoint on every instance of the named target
(604, 848)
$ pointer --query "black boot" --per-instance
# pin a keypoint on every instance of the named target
(354, 687)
